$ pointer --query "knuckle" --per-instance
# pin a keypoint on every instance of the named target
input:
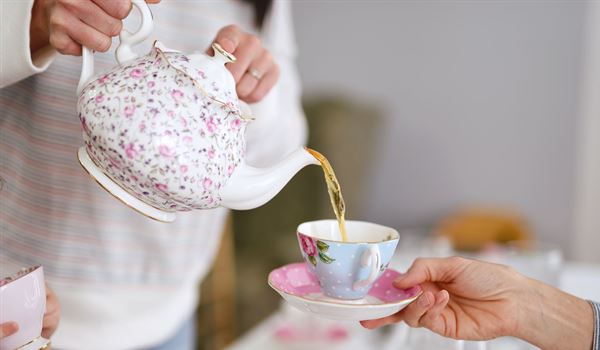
(57, 43)
(71, 5)
(69, 49)
(255, 96)
(418, 262)
(57, 22)
(103, 43)
(253, 40)
(73, 49)
(268, 56)
(115, 28)
(121, 9)
(231, 28)
(242, 91)
(412, 322)
(456, 260)
(68, 4)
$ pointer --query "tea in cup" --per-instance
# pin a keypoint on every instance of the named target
(23, 300)
(346, 269)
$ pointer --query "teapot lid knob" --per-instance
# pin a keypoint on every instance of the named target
(222, 55)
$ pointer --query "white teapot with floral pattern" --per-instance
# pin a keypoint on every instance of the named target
(164, 132)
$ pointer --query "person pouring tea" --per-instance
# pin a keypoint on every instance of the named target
(474, 300)
(124, 281)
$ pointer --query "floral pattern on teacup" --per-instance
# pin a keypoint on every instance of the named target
(162, 130)
(314, 248)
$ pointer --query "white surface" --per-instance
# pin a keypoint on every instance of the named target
(262, 336)
(479, 98)
(582, 280)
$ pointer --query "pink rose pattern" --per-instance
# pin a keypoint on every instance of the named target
(308, 245)
(158, 136)
(313, 249)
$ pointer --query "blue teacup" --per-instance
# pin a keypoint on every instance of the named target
(346, 270)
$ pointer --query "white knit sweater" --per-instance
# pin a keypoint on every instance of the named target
(124, 281)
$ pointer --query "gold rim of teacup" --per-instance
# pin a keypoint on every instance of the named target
(389, 239)
(19, 274)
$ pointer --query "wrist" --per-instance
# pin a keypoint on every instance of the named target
(552, 319)
(38, 28)
(528, 306)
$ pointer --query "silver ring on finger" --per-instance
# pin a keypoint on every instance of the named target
(255, 73)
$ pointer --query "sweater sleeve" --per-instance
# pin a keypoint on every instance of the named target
(16, 61)
(596, 342)
(280, 125)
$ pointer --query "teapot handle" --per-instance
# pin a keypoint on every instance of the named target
(126, 41)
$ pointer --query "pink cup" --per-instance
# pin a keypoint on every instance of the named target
(23, 300)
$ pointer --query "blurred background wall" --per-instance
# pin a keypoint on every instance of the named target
(479, 102)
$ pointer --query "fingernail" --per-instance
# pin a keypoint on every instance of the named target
(443, 296)
(226, 44)
(365, 324)
(424, 301)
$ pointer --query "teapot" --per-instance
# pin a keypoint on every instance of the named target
(164, 132)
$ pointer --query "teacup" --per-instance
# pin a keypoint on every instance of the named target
(23, 300)
(346, 270)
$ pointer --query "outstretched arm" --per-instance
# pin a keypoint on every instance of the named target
(468, 299)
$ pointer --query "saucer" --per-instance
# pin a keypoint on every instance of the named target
(299, 287)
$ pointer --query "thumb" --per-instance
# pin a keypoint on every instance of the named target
(8, 328)
(429, 270)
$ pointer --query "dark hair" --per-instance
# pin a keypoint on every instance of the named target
(261, 7)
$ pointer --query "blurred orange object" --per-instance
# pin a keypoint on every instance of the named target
(473, 229)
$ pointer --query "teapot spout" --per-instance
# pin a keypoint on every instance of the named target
(250, 187)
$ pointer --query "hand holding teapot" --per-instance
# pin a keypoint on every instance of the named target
(255, 72)
(68, 25)
(164, 132)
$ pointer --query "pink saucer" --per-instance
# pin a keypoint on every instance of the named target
(297, 285)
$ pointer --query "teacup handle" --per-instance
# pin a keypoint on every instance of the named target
(370, 256)
(124, 52)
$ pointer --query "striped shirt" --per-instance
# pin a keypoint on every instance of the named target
(124, 281)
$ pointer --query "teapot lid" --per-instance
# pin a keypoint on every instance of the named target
(208, 75)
